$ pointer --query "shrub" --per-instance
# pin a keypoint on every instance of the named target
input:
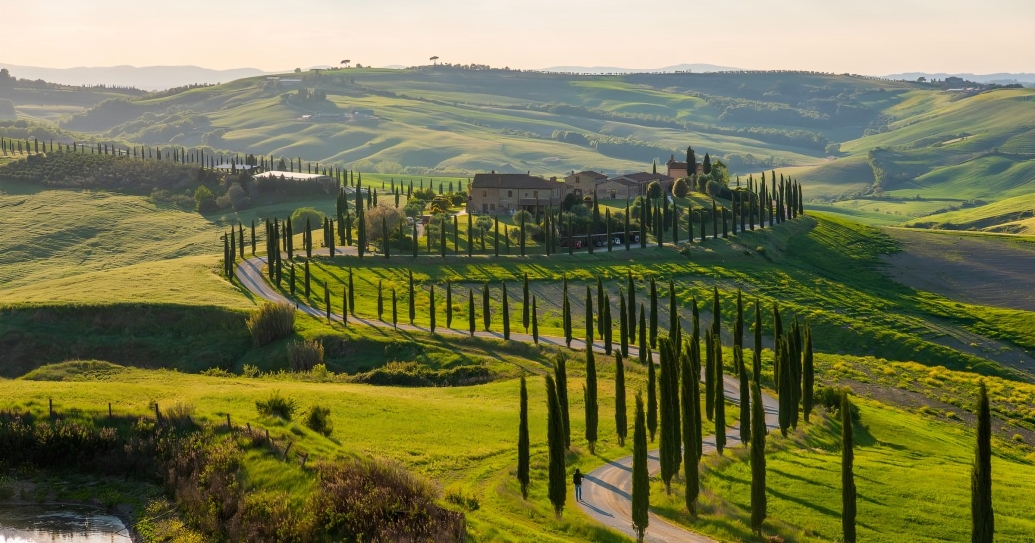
(379, 501)
(250, 371)
(319, 420)
(305, 355)
(681, 188)
(300, 215)
(270, 322)
(276, 406)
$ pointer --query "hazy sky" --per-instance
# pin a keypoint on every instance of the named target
(873, 37)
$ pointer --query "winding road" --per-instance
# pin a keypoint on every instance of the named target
(607, 490)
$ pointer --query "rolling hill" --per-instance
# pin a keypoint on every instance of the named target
(881, 151)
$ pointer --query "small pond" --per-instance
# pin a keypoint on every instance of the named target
(60, 523)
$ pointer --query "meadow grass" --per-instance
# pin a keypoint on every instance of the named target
(912, 475)
(826, 270)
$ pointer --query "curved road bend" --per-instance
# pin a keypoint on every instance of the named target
(606, 491)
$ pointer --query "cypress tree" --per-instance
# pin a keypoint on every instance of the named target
(745, 401)
(608, 344)
(623, 324)
(535, 323)
(253, 237)
(560, 369)
(521, 241)
(345, 305)
(631, 287)
(590, 393)
(756, 361)
(327, 301)
(784, 388)
(307, 279)
(523, 442)
(486, 316)
(668, 384)
(626, 239)
(291, 279)
(470, 239)
(555, 444)
(470, 311)
(982, 516)
(566, 317)
(308, 239)
(643, 347)
(847, 477)
(621, 419)
(691, 401)
(506, 311)
(600, 307)
(738, 333)
(652, 398)
(413, 299)
(524, 303)
(709, 375)
(808, 375)
(395, 308)
(431, 309)
(720, 399)
(641, 480)
(758, 497)
(352, 297)
(653, 313)
(380, 301)
(589, 317)
(695, 377)
(449, 304)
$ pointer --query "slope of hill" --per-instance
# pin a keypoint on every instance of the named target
(886, 151)
(448, 119)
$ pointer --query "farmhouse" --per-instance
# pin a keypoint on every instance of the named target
(637, 184)
(583, 183)
(678, 170)
(510, 192)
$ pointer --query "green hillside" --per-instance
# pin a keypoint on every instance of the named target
(898, 142)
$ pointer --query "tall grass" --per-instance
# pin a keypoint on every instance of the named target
(305, 355)
(271, 322)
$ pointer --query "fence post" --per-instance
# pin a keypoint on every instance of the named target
(268, 442)
(288, 449)
(158, 414)
(305, 459)
(228, 425)
(50, 402)
(109, 410)
(250, 436)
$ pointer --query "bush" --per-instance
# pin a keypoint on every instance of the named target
(271, 322)
(319, 420)
(276, 406)
(300, 215)
(681, 188)
(304, 355)
(204, 200)
(379, 501)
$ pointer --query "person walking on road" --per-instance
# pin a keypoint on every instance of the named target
(577, 479)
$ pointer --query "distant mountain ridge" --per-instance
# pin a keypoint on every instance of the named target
(617, 70)
(144, 77)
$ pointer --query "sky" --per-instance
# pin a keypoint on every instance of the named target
(875, 37)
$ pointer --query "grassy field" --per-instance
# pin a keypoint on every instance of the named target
(463, 439)
(912, 475)
(827, 271)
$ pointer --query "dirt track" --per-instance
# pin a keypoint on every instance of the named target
(986, 270)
